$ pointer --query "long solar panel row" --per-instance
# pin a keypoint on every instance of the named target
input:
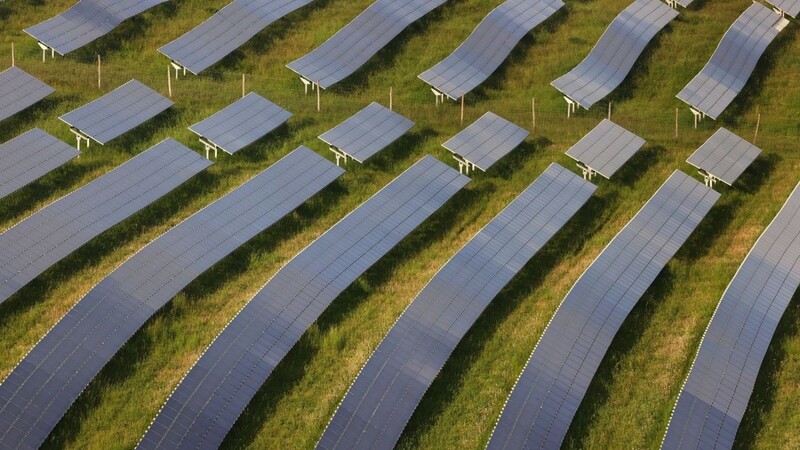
(388, 388)
(486, 141)
(790, 7)
(30, 247)
(19, 90)
(360, 40)
(547, 394)
(53, 374)
(226, 31)
(736, 56)
(216, 390)
(367, 132)
(613, 56)
(714, 397)
(606, 148)
(30, 156)
(488, 46)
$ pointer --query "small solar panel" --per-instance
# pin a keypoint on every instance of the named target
(393, 381)
(30, 156)
(614, 55)
(88, 336)
(240, 124)
(348, 50)
(19, 90)
(551, 387)
(30, 247)
(790, 7)
(606, 148)
(488, 46)
(219, 386)
(486, 141)
(724, 156)
(367, 132)
(727, 72)
(715, 395)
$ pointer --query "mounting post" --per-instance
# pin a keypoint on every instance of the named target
(571, 104)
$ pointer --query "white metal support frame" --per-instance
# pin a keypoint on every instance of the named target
(209, 146)
(571, 106)
(45, 48)
(439, 96)
(698, 116)
(80, 136)
(178, 68)
(710, 180)
(340, 155)
(588, 172)
(307, 83)
(464, 166)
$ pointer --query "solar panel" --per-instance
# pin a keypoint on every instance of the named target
(63, 363)
(488, 46)
(714, 397)
(216, 390)
(19, 90)
(547, 393)
(28, 157)
(360, 40)
(726, 73)
(615, 53)
(485, 142)
(605, 149)
(790, 7)
(225, 31)
(30, 247)
(388, 388)
(366, 133)
(240, 124)
(724, 156)
(86, 21)
(117, 112)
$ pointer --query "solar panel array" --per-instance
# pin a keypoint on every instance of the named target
(30, 156)
(388, 388)
(488, 46)
(30, 247)
(360, 40)
(367, 132)
(86, 21)
(725, 156)
(790, 7)
(19, 90)
(205, 405)
(726, 73)
(50, 378)
(715, 395)
(226, 31)
(240, 124)
(606, 148)
(486, 141)
(547, 394)
(117, 112)
(613, 56)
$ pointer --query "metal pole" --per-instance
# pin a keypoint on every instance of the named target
(13, 61)
(758, 125)
(99, 85)
(676, 123)
(169, 81)
(390, 98)
(462, 110)
(533, 112)
(318, 95)
(609, 110)
(243, 85)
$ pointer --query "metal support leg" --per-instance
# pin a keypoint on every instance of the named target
(698, 116)
(570, 106)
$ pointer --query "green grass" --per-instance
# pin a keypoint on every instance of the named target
(630, 399)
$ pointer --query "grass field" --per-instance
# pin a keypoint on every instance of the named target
(630, 399)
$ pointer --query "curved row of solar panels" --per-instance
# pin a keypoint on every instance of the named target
(225, 31)
(53, 374)
(219, 386)
(736, 56)
(19, 90)
(29, 157)
(488, 46)
(392, 382)
(613, 56)
(546, 396)
(356, 43)
(86, 21)
(714, 397)
(790, 7)
(42, 239)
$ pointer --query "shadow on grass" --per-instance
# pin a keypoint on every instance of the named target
(259, 151)
(506, 167)
(133, 141)
(633, 170)
(27, 119)
(399, 151)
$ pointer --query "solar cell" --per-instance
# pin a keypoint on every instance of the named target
(485, 142)
(366, 133)
(86, 21)
(724, 156)
(117, 112)
(714, 397)
(488, 46)
(360, 40)
(19, 90)
(547, 394)
(726, 73)
(605, 149)
(30, 247)
(28, 157)
(419, 343)
(216, 390)
(52, 375)
(225, 31)
(240, 124)
(615, 53)
(790, 7)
